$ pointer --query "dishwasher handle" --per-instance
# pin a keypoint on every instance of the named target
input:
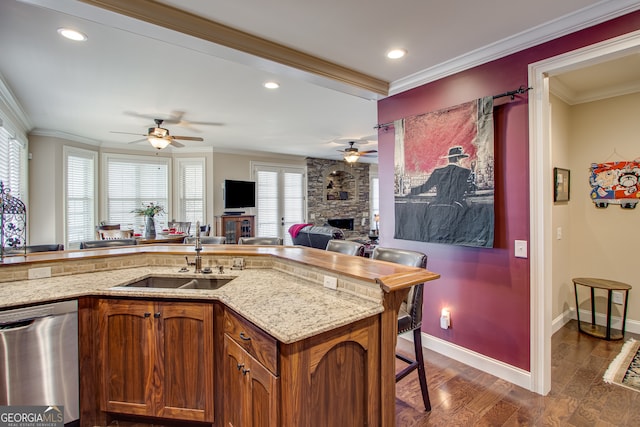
(17, 325)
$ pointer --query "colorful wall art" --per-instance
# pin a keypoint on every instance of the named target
(615, 183)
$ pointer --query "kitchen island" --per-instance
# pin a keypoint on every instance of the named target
(314, 355)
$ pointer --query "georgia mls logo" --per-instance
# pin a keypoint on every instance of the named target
(32, 416)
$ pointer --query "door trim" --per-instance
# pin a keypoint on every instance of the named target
(541, 196)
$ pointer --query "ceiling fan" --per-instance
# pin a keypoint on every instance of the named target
(352, 154)
(159, 137)
(174, 118)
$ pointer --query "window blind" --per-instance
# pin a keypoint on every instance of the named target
(191, 206)
(374, 198)
(11, 152)
(80, 200)
(267, 203)
(133, 182)
(280, 200)
(293, 202)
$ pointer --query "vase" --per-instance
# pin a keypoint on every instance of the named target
(149, 228)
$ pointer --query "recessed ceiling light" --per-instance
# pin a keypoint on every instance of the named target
(396, 53)
(271, 85)
(72, 34)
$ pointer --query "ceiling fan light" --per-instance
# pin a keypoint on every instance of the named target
(351, 157)
(158, 143)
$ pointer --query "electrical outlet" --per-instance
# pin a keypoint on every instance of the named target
(331, 282)
(445, 319)
(616, 297)
(237, 264)
(39, 273)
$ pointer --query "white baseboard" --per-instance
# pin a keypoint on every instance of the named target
(486, 364)
(503, 370)
(632, 326)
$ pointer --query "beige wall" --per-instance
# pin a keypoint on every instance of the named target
(601, 242)
(560, 143)
(46, 216)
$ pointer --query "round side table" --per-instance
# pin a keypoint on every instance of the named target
(610, 286)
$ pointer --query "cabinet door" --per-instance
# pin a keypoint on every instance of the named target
(185, 362)
(264, 399)
(252, 397)
(126, 354)
(235, 404)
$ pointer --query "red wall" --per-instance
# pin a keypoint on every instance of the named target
(487, 290)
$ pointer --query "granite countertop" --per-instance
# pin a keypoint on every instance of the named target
(285, 306)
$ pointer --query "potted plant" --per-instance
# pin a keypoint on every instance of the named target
(149, 211)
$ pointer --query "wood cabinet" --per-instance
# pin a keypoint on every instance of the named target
(250, 375)
(251, 389)
(156, 359)
(235, 226)
(329, 379)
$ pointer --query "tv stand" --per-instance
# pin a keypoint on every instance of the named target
(235, 226)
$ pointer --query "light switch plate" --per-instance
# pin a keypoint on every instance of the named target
(521, 249)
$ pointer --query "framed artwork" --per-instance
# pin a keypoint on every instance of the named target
(561, 183)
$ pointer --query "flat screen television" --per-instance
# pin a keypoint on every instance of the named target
(239, 194)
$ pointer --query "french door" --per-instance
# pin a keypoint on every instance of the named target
(281, 199)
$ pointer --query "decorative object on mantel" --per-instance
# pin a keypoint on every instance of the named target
(624, 370)
(561, 184)
(444, 175)
(615, 183)
(149, 211)
(13, 224)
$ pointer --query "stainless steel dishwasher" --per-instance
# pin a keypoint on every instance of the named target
(39, 357)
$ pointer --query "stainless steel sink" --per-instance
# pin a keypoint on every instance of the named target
(178, 283)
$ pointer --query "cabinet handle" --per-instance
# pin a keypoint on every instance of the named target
(147, 314)
(245, 371)
(244, 337)
(156, 315)
(240, 366)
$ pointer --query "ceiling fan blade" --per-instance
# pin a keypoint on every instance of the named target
(368, 151)
(137, 141)
(187, 138)
(127, 133)
(176, 144)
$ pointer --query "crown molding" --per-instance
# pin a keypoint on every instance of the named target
(571, 97)
(15, 110)
(602, 11)
(51, 133)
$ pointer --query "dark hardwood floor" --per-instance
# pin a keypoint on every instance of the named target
(464, 396)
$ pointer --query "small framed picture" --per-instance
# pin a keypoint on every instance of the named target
(561, 182)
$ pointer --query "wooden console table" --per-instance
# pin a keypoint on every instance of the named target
(235, 226)
(609, 286)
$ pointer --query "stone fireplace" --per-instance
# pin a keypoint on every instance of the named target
(339, 192)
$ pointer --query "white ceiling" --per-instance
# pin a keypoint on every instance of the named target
(83, 91)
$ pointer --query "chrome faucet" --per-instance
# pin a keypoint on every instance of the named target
(198, 247)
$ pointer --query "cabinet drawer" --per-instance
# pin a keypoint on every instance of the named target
(255, 341)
